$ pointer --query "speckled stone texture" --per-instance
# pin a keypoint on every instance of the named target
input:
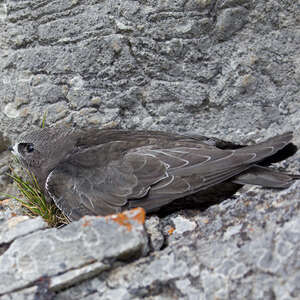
(245, 248)
(64, 257)
(224, 68)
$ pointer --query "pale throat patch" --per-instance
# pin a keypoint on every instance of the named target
(15, 149)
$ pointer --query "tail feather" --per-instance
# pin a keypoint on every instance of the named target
(265, 177)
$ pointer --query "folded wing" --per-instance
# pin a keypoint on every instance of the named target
(108, 178)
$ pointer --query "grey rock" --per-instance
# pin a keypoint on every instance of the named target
(212, 67)
(71, 254)
(59, 282)
(19, 226)
(5, 159)
(5, 179)
(154, 231)
(25, 294)
(183, 225)
(8, 207)
(255, 261)
(230, 21)
(225, 68)
(4, 142)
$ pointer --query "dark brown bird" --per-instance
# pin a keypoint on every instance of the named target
(99, 172)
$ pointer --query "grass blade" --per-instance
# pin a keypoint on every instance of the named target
(35, 203)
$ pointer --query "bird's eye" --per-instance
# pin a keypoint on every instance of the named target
(25, 148)
(29, 148)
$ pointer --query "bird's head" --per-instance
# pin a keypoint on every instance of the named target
(45, 148)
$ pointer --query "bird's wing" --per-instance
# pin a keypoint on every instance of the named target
(194, 169)
(101, 190)
(103, 179)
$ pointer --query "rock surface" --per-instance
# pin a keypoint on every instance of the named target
(246, 248)
(63, 257)
(226, 68)
(223, 68)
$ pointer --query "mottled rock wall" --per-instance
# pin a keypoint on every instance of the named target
(227, 68)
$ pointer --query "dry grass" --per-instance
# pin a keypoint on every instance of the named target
(33, 200)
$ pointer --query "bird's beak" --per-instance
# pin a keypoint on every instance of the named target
(14, 149)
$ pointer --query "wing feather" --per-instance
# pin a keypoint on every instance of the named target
(146, 170)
